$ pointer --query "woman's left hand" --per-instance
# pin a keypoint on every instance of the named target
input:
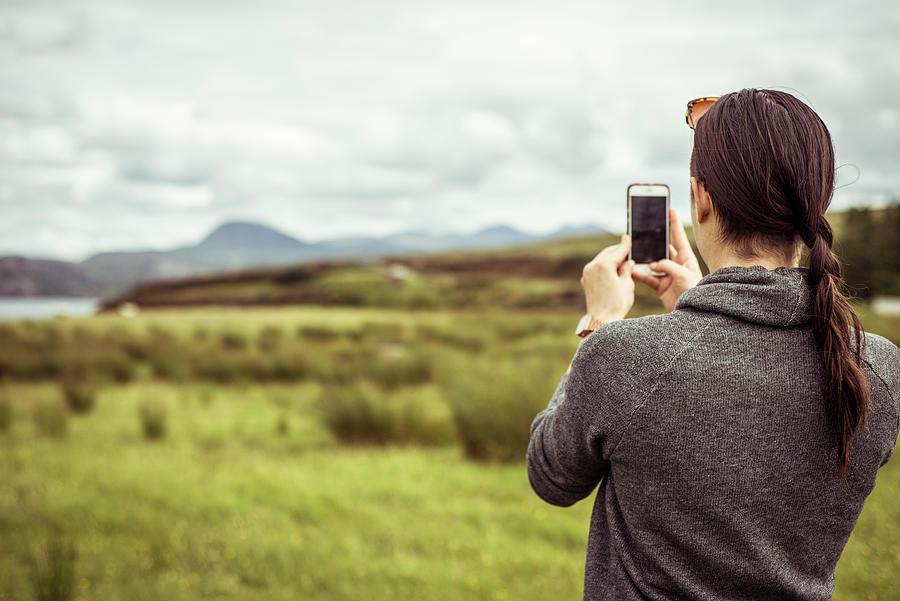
(607, 283)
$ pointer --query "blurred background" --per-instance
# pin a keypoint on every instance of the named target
(282, 285)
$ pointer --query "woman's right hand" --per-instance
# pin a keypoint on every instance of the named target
(682, 271)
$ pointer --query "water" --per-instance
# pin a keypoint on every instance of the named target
(45, 307)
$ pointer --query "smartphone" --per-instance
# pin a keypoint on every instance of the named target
(648, 224)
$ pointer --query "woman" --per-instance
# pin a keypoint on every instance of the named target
(735, 438)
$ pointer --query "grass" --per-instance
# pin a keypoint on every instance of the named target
(869, 568)
(255, 521)
(250, 495)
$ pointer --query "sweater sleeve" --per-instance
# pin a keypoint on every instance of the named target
(566, 453)
(883, 361)
(614, 372)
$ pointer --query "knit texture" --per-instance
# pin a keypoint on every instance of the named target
(707, 433)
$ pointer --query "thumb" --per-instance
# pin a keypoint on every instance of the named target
(625, 269)
(670, 268)
(616, 253)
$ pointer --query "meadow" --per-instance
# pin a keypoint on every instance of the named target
(305, 453)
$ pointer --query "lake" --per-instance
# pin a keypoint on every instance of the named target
(46, 307)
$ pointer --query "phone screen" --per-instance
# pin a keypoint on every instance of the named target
(648, 228)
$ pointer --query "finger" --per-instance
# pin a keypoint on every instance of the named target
(625, 269)
(645, 278)
(620, 252)
(616, 253)
(669, 267)
(678, 235)
(673, 254)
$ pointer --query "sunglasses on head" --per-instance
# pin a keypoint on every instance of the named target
(697, 108)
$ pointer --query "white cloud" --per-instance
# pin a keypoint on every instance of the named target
(160, 195)
(353, 118)
(47, 143)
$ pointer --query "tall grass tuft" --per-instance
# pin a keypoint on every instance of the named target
(53, 570)
(317, 333)
(80, 395)
(50, 418)
(233, 340)
(494, 403)
(91, 360)
(167, 358)
(221, 366)
(383, 331)
(395, 365)
(282, 425)
(452, 337)
(358, 414)
(364, 414)
(6, 413)
(152, 414)
(269, 338)
(280, 365)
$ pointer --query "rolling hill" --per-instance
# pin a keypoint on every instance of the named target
(537, 275)
(542, 274)
(233, 246)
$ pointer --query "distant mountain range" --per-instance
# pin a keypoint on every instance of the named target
(235, 246)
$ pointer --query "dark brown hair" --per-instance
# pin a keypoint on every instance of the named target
(767, 161)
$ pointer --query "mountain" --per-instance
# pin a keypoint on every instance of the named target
(20, 276)
(240, 245)
(501, 235)
(231, 246)
(249, 237)
(577, 231)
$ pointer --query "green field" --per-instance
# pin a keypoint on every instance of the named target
(304, 453)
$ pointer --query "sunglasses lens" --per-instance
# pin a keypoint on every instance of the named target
(698, 109)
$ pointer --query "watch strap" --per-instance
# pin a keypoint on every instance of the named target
(588, 324)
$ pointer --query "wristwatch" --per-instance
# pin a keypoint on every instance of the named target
(588, 324)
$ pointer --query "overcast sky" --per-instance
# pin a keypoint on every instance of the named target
(145, 124)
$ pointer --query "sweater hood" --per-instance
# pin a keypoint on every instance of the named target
(781, 297)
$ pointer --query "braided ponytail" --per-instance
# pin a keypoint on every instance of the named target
(846, 389)
(767, 161)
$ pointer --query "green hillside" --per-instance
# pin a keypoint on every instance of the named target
(544, 275)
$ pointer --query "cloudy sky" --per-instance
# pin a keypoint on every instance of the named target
(129, 124)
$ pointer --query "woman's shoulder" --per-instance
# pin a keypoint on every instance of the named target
(883, 358)
(677, 323)
(881, 348)
(644, 336)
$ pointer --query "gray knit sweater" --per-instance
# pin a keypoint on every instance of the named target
(706, 430)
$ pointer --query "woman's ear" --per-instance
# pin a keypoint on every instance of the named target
(701, 199)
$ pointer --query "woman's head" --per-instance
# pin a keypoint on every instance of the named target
(767, 163)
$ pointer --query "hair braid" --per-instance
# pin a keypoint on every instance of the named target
(836, 326)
